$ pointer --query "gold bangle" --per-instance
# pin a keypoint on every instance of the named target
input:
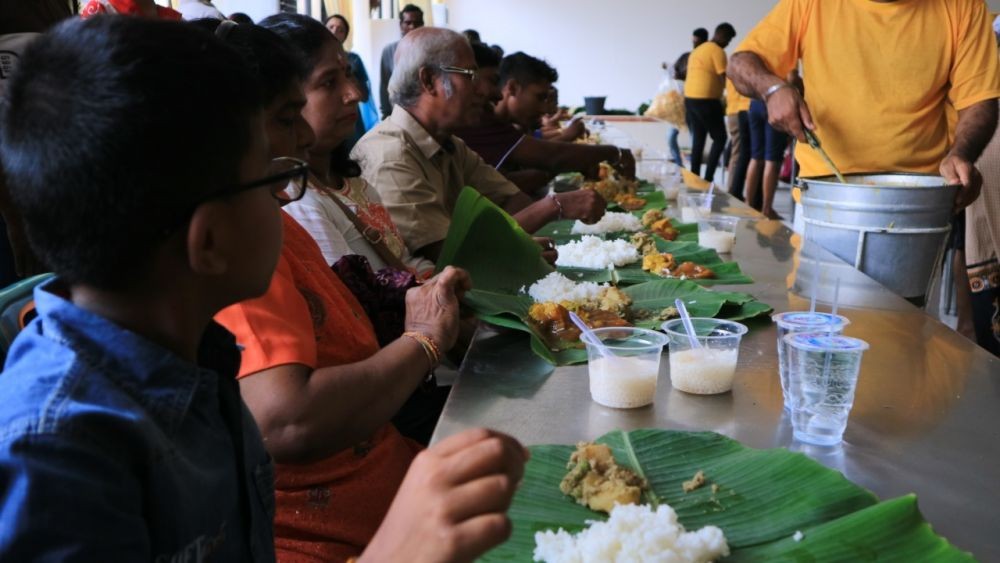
(429, 346)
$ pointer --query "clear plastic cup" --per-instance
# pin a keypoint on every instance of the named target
(694, 206)
(823, 374)
(710, 369)
(717, 233)
(796, 322)
(652, 171)
(626, 377)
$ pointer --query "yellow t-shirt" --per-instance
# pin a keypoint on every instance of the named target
(706, 70)
(878, 76)
(735, 102)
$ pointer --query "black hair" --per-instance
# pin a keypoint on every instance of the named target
(302, 33)
(307, 37)
(526, 69)
(267, 55)
(410, 8)
(726, 28)
(472, 35)
(701, 33)
(498, 50)
(241, 18)
(347, 25)
(106, 148)
(485, 56)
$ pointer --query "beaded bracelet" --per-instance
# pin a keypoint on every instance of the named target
(427, 343)
(559, 206)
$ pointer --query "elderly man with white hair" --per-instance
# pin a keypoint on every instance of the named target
(419, 167)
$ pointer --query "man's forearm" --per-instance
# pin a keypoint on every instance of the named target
(975, 128)
(537, 215)
(750, 75)
(557, 157)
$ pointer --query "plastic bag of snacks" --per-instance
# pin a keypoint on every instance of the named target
(668, 106)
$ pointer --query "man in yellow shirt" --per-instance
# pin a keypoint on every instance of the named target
(879, 76)
(706, 76)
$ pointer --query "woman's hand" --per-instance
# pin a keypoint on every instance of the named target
(432, 308)
(453, 502)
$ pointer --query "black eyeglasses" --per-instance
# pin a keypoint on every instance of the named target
(472, 74)
(287, 177)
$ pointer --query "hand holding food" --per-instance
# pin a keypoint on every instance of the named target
(626, 164)
(575, 130)
(432, 308)
(549, 252)
(585, 205)
(456, 492)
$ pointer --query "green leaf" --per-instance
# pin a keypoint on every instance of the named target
(510, 310)
(763, 498)
(488, 243)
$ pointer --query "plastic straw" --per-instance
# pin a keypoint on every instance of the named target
(686, 320)
(815, 289)
(591, 338)
(711, 194)
(836, 296)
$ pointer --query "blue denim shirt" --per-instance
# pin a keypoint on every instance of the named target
(112, 448)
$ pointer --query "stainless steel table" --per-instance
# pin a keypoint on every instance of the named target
(926, 418)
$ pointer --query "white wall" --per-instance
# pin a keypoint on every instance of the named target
(607, 48)
(256, 9)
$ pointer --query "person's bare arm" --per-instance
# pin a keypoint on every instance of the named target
(585, 205)
(786, 109)
(975, 127)
(307, 414)
(559, 157)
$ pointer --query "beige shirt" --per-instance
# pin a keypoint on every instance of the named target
(419, 180)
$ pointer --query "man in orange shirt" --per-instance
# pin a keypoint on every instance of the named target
(706, 76)
(879, 76)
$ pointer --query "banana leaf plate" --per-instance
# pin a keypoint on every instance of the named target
(760, 500)
(649, 299)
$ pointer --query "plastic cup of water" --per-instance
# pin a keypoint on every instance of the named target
(626, 377)
(823, 374)
(694, 206)
(796, 322)
(710, 369)
(717, 233)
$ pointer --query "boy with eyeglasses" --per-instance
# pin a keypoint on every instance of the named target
(122, 433)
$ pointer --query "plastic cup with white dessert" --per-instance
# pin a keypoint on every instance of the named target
(710, 368)
(694, 206)
(718, 233)
(624, 369)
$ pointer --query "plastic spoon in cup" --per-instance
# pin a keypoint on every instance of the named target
(589, 334)
(708, 200)
(815, 290)
(688, 325)
(836, 296)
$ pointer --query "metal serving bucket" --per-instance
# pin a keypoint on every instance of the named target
(892, 227)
